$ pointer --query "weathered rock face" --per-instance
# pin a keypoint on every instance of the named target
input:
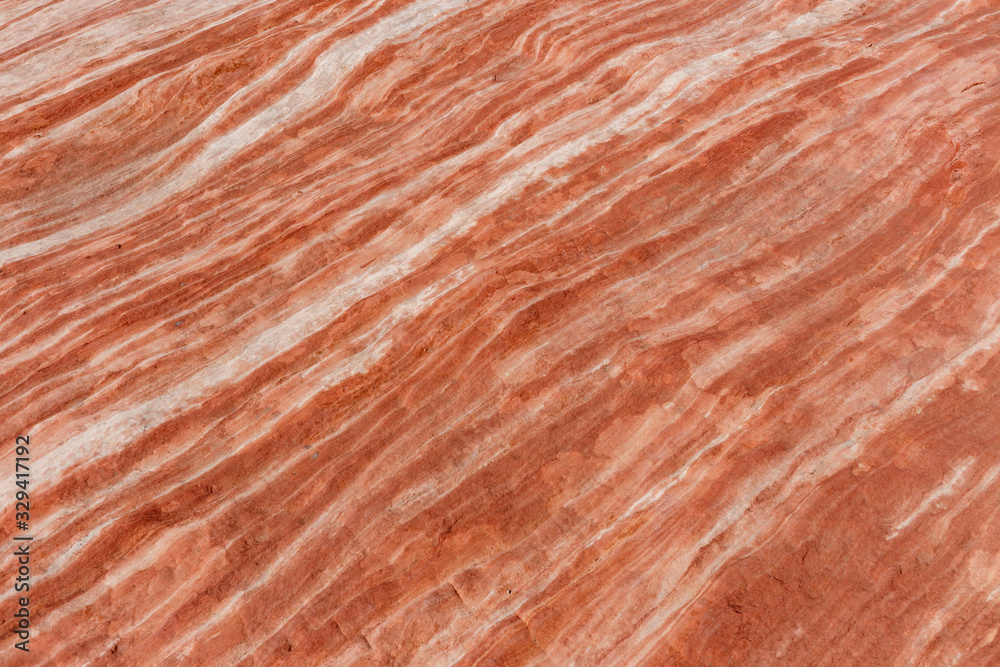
(495, 333)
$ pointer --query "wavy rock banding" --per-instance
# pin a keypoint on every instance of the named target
(450, 332)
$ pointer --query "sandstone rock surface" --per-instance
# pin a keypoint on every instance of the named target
(503, 332)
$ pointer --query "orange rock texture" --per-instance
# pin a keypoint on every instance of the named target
(502, 332)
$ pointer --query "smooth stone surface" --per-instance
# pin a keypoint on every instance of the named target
(450, 332)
